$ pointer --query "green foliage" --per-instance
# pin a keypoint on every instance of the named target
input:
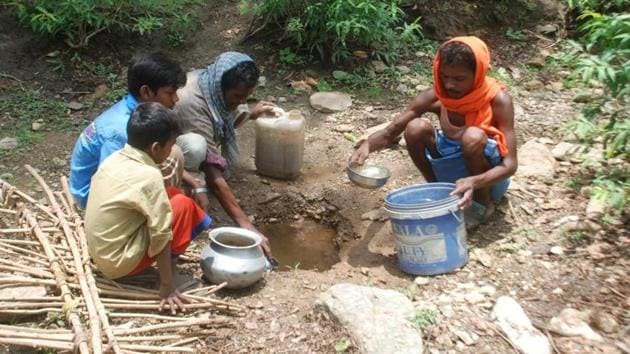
(289, 58)
(515, 35)
(424, 317)
(335, 29)
(601, 58)
(342, 346)
(79, 20)
(599, 5)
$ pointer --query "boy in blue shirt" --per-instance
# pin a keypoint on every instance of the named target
(150, 78)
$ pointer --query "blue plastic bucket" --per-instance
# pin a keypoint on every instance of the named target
(429, 228)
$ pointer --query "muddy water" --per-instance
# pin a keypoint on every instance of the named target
(305, 242)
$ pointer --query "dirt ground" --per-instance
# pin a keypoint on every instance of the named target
(510, 255)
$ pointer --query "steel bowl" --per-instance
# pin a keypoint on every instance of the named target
(368, 176)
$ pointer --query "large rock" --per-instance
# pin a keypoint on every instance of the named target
(535, 160)
(8, 143)
(20, 293)
(519, 329)
(379, 320)
(330, 102)
(570, 322)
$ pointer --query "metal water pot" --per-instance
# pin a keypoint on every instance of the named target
(234, 256)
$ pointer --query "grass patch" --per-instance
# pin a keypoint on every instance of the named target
(424, 317)
(21, 108)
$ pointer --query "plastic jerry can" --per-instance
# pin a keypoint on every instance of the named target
(280, 144)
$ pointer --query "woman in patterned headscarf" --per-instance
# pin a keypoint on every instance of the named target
(210, 107)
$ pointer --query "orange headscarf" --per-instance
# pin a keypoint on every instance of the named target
(475, 106)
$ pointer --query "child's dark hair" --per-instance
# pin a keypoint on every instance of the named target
(151, 122)
(457, 53)
(155, 70)
(245, 72)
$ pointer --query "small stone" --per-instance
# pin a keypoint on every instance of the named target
(604, 322)
(444, 340)
(557, 86)
(569, 323)
(546, 29)
(344, 128)
(535, 160)
(483, 257)
(262, 81)
(562, 151)
(330, 102)
(378, 65)
(421, 281)
(536, 62)
(251, 325)
(8, 143)
(57, 162)
(257, 305)
(557, 291)
(402, 88)
(282, 99)
(271, 197)
(421, 87)
(595, 208)
(36, 126)
(264, 181)
(556, 250)
(273, 220)
(488, 290)
(99, 92)
(365, 271)
(474, 297)
(447, 311)
(518, 327)
(270, 98)
(534, 85)
(75, 106)
(465, 337)
(375, 215)
(403, 69)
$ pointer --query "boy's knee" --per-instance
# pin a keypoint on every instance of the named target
(194, 148)
(474, 139)
(418, 130)
(180, 203)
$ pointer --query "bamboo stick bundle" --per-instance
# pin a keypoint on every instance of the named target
(10, 190)
(34, 329)
(169, 326)
(30, 243)
(85, 264)
(61, 282)
(38, 343)
(95, 323)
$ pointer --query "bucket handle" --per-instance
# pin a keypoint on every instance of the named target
(455, 216)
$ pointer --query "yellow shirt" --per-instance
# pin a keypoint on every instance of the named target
(128, 212)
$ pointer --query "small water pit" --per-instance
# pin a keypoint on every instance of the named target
(304, 244)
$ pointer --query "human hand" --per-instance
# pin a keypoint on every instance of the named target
(261, 108)
(202, 200)
(361, 153)
(264, 244)
(465, 187)
(172, 298)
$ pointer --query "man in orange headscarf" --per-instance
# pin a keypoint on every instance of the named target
(475, 147)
